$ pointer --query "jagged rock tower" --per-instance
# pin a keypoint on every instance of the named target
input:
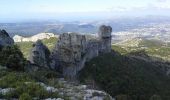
(69, 53)
(40, 55)
(105, 38)
(72, 51)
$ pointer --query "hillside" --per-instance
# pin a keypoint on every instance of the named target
(155, 48)
(26, 46)
(127, 76)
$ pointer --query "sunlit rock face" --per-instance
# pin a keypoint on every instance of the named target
(34, 38)
(73, 50)
(5, 39)
(40, 55)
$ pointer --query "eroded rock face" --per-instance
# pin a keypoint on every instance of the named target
(73, 50)
(5, 39)
(104, 31)
(70, 51)
(40, 55)
(105, 39)
(92, 49)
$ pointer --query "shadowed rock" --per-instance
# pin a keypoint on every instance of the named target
(73, 50)
(5, 39)
(105, 39)
(40, 55)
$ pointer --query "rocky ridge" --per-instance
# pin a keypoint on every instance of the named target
(72, 90)
(34, 38)
(73, 50)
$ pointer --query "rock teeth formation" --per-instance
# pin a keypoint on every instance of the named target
(72, 51)
(5, 39)
(40, 55)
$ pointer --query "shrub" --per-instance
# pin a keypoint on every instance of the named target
(33, 89)
(25, 96)
(155, 97)
(13, 79)
(12, 57)
(119, 74)
(122, 97)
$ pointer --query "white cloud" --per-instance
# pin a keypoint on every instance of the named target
(161, 0)
(162, 4)
(119, 9)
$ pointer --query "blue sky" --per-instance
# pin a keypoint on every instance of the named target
(44, 9)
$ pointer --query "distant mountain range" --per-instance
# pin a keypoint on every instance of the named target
(29, 29)
(84, 27)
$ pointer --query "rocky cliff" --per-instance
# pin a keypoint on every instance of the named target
(73, 50)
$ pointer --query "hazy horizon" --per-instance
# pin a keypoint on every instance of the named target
(21, 10)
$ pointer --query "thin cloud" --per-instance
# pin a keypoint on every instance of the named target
(161, 0)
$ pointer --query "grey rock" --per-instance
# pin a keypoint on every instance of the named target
(105, 39)
(105, 31)
(6, 90)
(73, 50)
(5, 39)
(40, 55)
(69, 52)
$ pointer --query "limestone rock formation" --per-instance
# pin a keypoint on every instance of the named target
(73, 50)
(92, 49)
(5, 39)
(105, 38)
(40, 55)
(70, 52)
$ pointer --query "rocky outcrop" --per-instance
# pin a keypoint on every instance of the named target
(34, 38)
(70, 52)
(40, 55)
(105, 39)
(5, 39)
(73, 50)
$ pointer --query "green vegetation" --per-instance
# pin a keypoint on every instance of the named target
(25, 96)
(27, 46)
(153, 48)
(12, 58)
(25, 84)
(119, 49)
(124, 77)
(13, 79)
